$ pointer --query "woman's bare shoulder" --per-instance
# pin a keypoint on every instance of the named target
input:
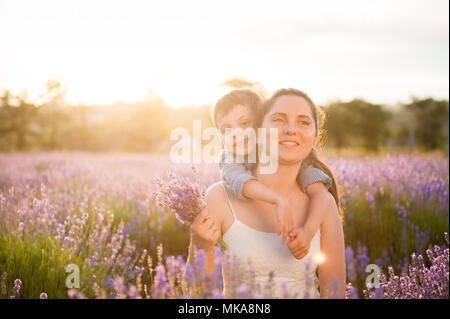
(215, 192)
(214, 189)
(216, 200)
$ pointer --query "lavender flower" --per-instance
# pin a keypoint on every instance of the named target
(79, 202)
(183, 198)
(350, 292)
(16, 288)
(419, 281)
(350, 262)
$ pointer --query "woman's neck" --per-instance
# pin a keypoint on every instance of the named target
(283, 181)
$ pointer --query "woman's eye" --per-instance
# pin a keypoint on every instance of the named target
(245, 124)
(305, 123)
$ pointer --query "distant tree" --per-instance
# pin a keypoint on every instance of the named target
(18, 120)
(430, 122)
(337, 126)
(373, 121)
(145, 126)
(356, 123)
(54, 116)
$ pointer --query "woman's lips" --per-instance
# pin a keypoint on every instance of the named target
(289, 144)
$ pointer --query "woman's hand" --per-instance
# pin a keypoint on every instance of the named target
(204, 231)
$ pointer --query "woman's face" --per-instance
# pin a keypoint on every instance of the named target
(291, 115)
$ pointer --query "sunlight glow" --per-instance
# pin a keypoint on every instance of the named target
(319, 258)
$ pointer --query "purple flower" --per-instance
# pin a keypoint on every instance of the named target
(350, 262)
(417, 281)
(216, 294)
(183, 198)
(242, 291)
(350, 292)
(162, 286)
(362, 260)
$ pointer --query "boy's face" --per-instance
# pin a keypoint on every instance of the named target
(236, 128)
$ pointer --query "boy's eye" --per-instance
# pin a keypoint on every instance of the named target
(245, 123)
(278, 119)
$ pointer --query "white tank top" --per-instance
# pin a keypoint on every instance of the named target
(255, 254)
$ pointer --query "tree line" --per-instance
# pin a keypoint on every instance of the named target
(145, 126)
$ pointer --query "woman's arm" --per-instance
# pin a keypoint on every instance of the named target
(200, 238)
(205, 238)
(332, 270)
(201, 233)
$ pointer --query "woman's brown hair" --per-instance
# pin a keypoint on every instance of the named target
(313, 158)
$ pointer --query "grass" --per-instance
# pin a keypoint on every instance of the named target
(39, 263)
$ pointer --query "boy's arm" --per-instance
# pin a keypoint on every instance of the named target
(244, 185)
(318, 194)
(256, 190)
(235, 175)
(315, 183)
(316, 213)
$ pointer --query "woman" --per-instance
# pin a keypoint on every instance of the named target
(249, 227)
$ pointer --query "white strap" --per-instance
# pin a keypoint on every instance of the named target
(229, 202)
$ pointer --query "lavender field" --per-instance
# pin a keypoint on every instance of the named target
(97, 212)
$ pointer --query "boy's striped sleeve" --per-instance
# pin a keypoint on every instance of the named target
(312, 175)
(234, 174)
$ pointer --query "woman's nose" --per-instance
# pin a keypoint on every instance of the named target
(290, 129)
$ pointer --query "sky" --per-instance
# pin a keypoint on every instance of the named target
(109, 51)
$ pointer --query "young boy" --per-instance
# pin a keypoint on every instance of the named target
(238, 110)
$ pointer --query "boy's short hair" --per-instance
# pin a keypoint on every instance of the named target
(244, 97)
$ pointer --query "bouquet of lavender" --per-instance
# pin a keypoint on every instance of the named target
(184, 198)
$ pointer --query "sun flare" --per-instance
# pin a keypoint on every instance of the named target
(319, 258)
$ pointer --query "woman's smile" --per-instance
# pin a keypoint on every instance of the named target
(289, 144)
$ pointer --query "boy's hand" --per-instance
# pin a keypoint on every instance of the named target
(299, 242)
(284, 217)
